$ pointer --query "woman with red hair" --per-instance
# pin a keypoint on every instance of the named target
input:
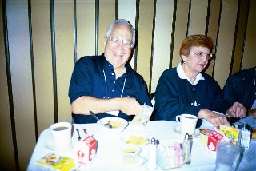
(186, 89)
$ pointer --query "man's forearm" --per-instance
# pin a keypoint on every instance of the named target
(85, 104)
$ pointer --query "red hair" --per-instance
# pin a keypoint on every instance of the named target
(195, 40)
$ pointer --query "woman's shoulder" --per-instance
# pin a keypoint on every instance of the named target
(209, 79)
(170, 73)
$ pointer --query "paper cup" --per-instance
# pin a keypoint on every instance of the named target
(61, 137)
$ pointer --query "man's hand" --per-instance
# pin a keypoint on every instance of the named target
(130, 106)
(212, 117)
(237, 110)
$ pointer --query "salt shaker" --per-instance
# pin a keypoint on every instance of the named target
(186, 147)
(152, 153)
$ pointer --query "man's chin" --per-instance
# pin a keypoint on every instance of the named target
(118, 65)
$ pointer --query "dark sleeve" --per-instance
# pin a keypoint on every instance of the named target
(142, 92)
(169, 100)
(216, 97)
(80, 83)
(229, 93)
(240, 87)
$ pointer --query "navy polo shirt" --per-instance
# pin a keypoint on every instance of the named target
(94, 76)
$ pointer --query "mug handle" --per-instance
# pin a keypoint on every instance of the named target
(178, 118)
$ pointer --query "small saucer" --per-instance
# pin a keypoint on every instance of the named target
(177, 129)
(129, 149)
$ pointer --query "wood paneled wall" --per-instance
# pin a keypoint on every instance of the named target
(41, 40)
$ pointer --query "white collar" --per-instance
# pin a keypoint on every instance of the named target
(182, 75)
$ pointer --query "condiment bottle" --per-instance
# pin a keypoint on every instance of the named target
(245, 137)
(186, 147)
(152, 154)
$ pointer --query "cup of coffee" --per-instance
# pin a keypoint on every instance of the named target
(187, 123)
(61, 137)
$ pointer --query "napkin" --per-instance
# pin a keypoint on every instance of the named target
(144, 116)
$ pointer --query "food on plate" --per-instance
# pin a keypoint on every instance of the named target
(136, 140)
(113, 124)
(52, 161)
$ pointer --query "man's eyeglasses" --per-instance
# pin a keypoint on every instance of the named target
(201, 55)
(120, 41)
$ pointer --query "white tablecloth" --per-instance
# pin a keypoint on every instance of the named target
(109, 155)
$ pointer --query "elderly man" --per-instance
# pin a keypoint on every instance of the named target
(106, 85)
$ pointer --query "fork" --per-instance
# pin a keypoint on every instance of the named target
(79, 137)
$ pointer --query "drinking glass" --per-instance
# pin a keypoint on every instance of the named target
(228, 156)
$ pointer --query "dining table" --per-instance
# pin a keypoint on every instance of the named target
(109, 156)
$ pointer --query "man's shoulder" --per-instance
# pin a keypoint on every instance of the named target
(89, 62)
(243, 74)
(135, 74)
(88, 59)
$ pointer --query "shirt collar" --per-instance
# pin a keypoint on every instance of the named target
(110, 68)
(182, 75)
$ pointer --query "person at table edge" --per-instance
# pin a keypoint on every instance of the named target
(107, 85)
(186, 89)
(240, 92)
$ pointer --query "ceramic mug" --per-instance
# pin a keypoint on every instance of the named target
(187, 123)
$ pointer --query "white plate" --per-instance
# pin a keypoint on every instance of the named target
(196, 133)
(113, 122)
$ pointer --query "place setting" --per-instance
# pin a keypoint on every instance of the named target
(68, 147)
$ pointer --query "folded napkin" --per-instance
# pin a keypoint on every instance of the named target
(144, 116)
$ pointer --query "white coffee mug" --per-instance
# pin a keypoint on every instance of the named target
(187, 123)
(61, 137)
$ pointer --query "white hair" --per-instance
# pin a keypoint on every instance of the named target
(122, 22)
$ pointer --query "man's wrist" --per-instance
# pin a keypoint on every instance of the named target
(117, 103)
